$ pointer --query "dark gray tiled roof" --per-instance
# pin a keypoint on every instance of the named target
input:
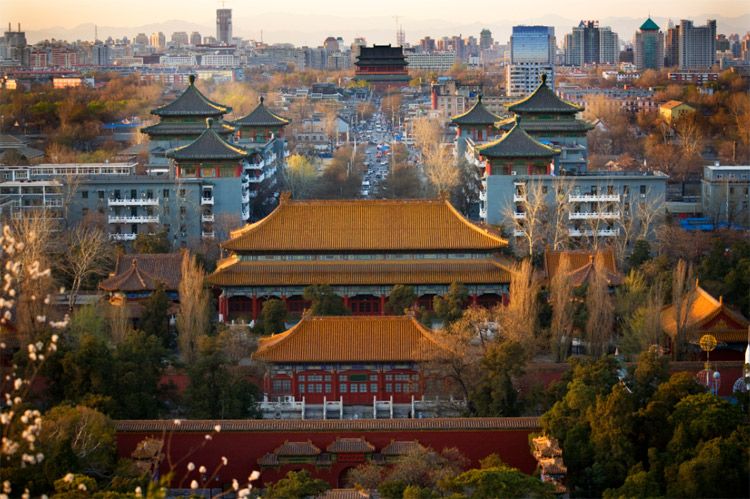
(187, 128)
(543, 100)
(540, 127)
(192, 103)
(516, 144)
(208, 146)
(477, 115)
(261, 116)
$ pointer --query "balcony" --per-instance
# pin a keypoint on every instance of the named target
(125, 219)
(519, 215)
(207, 201)
(483, 195)
(600, 215)
(590, 232)
(256, 179)
(133, 202)
(483, 213)
(593, 198)
(208, 235)
(519, 197)
(207, 217)
(123, 237)
(53, 203)
(519, 233)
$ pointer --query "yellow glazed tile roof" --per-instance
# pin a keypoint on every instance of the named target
(363, 225)
(233, 272)
(350, 339)
(703, 308)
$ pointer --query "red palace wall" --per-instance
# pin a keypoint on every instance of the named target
(244, 442)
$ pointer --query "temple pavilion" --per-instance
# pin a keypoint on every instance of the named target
(184, 120)
(382, 67)
(361, 248)
(351, 359)
(708, 315)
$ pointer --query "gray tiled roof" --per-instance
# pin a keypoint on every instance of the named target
(192, 103)
(208, 146)
(516, 144)
(261, 116)
(187, 128)
(477, 115)
(540, 127)
(543, 100)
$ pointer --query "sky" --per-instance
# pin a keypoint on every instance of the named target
(310, 16)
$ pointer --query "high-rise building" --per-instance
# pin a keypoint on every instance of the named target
(101, 55)
(224, 26)
(485, 39)
(14, 46)
(331, 45)
(141, 39)
(195, 38)
(588, 43)
(532, 54)
(697, 45)
(427, 44)
(532, 44)
(180, 38)
(649, 46)
(672, 46)
(609, 46)
(158, 40)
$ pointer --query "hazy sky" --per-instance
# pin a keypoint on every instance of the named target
(38, 14)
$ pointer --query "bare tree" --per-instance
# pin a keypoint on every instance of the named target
(119, 322)
(563, 308)
(518, 320)
(690, 134)
(558, 222)
(439, 163)
(683, 296)
(600, 307)
(87, 253)
(528, 218)
(192, 318)
(649, 211)
(300, 175)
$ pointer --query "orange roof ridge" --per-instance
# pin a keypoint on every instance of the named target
(409, 341)
(484, 232)
(323, 225)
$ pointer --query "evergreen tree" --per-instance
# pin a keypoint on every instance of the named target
(155, 318)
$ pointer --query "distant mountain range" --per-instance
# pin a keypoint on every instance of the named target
(312, 30)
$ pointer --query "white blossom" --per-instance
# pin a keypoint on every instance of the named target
(190, 466)
(217, 428)
(194, 484)
(202, 470)
(224, 460)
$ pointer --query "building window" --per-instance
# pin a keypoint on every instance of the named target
(182, 193)
(363, 388)
(373, 387)
(165, 193)
(183, 211)
(328, 388)
(282, 386)
(100, 194)
(388, 387)
(149, 194)
(342, 388)
(643, 189)
(84, 194)
(354, 388)
(302, 388)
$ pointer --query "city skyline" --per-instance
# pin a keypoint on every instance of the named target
(302, 23)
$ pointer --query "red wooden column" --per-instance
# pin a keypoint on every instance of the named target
(474, 299)
(255, 307)
(346, 302)
(224, 307)
(382, 304)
